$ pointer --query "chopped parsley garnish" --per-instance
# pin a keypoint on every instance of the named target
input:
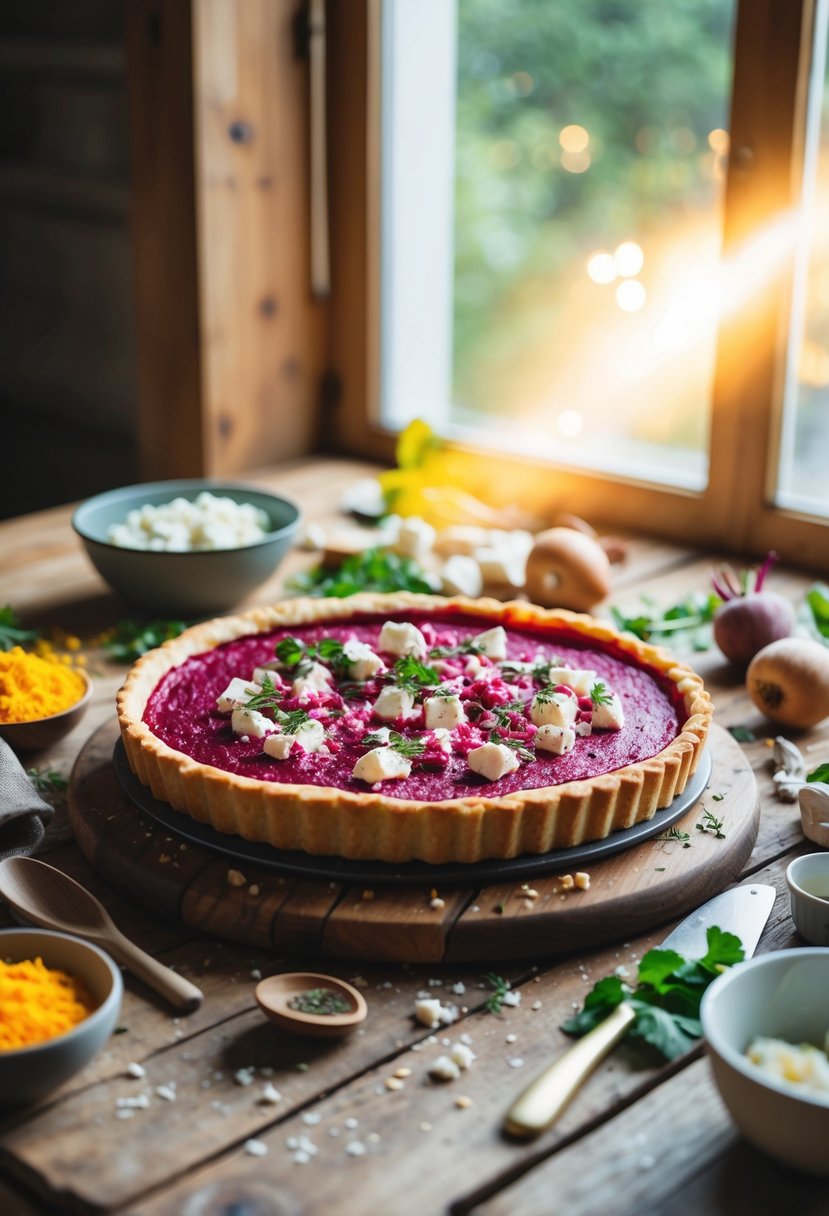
(691, 617)
(501, 713)
(412, 674)
(548, 695)
(452, 652)
(397, 742)
(667, 995)
(289, 719)
(11, 633)
(684, 838)
(517, 745)
(294, 654)
(444, 691)
(599, 694)
(131, 639)
(500, 987)
(374, 570)
(543, 667)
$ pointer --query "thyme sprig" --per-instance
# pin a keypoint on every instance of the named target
(710, 823)
(397, 742)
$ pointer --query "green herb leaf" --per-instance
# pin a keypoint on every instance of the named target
(290, 651)
(11, 633)
(667, 995)
(691, 617)
(500, 987)
(46, 780)
(397, 742)
(675, 834)
(410, 673)
(516, 745)
(373, 570)
(710, 823)
(817, 599)
(599, 694)
(821, 773)
(742, 734)
(131, 639)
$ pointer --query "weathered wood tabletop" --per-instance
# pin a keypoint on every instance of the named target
(359, 1126)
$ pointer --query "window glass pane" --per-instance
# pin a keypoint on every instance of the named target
(583, 209)
(803, 481)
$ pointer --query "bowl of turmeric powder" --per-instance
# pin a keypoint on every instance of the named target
(41, 700)
(60, 998)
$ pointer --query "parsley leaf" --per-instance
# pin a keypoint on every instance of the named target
(410, 673)
(10, 632)
(821, 773)
(599, 694)
(667, 995)
(500, 987)
(373, 570)
(692, 616)
(47, 780)
(130, 639)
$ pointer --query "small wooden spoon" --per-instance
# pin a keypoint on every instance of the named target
(274, 994)
(47, 897)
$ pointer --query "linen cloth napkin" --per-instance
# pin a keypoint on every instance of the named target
(23, 813)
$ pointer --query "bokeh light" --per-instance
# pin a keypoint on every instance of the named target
(631, 295)
(569, 423)
(576, 162)
(628, 259)
(574, 138)
(719, 141)
(601, 266)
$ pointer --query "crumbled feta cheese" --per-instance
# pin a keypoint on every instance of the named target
(553, 709)
(356, 1149)
(167, 1092)
(402, 638)
(270, 1096)
(444, 738)
(181, 526)
(364, 663)
(136, 1070)
(492, 760)
(581, 681)
(444, 1069)
(461, 575)
(278, 746)
(251, 723)
(610, 716)
(446, 712)
(381, 764)
(430, 1012)
(315, 680)
(492, 642)
(462, 1055)
(394, 703)
(256, 1148)
(310, 736)
(557, 739)
(139, 1102)
(244, 1076)
(415, 538)
(237, 692)
(500, 566)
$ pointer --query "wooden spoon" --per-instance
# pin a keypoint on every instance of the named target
(47, 897)
(274, 996)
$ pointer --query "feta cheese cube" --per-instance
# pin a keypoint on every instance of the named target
(269, 670)
(364, 663)
(553, 709)
(444, 738)
(402, 638)
(610, 716)
(492, 760)
(278, 747)
(461, 575)
(381, 764)
(315, 680)
(580, 681)
(557, 739)
(492, 642)
(447, 712)
(462, 1055)
(237, 692)
(394, 703)
(310, 736)
(500, 567)
(444, 1069)
(249, 722)
(415, 538)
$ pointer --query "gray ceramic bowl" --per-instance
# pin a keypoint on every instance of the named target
(184, 584)
(808, 881)
(784, 995)
(27, 1073)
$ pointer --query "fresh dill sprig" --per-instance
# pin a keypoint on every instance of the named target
(500, 987)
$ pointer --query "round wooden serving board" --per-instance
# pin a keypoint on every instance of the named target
(651, 883)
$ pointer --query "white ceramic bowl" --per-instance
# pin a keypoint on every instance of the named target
(27, 1073)
(190, 584)
(784, 995)
(808, 880)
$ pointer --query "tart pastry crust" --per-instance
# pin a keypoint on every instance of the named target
(370, 826)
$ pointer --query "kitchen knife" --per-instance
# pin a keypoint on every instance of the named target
(742, 911)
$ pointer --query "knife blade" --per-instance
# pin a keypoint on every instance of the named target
(742, 911)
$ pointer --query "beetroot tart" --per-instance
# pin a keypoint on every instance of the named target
(402, 727)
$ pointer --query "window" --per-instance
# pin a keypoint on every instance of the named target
(593, 252)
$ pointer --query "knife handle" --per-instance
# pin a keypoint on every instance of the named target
(545, 1098)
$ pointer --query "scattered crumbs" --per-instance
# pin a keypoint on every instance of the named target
(256, 1148)
(163, 859)
(256, 974)
(253, 889)
(622, 970)
(244, 1076)
(536, 1005)
(475, 908)
(437, 903)
(367, 896)
(301, 1157)
(269, 1095)
(516, 1062)
(463, 1102)
(373, 1137)
(359, 981)
(512, 1038)
(235, 878)
(512, 997)
(425, 1127)
(459, 989)
(466, 1038)
(333, 1132)
(267, 1071)
(167, 1092)
(647, 1162)
(582, 880)
(566, 882)
(135, 1070)
(355, 1148)
(444, 1069)
(402, 1073)
(139, 1102)
(311, 1118)
(121, 1030)
(126, 1112)
(351, 1123)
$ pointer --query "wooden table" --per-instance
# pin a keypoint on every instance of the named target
(360, 1127)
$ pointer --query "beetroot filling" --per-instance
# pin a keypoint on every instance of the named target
(181, 711)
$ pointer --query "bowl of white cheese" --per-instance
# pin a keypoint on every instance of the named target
(191, 548)
(766, 1026)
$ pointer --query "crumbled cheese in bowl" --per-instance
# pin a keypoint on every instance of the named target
(802, 1065)
(208, 522)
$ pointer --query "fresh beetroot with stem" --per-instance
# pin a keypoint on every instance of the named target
(749, 617)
